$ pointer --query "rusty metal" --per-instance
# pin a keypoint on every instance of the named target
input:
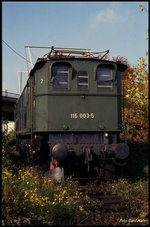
(85, 178)
(56, 52)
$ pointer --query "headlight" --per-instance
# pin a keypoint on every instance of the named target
(106, 138)
(106, 134)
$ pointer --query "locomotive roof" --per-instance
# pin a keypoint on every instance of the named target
(57, 53)
(41, 61)
(66, 54)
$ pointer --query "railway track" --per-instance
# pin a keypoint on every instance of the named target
(108, 208)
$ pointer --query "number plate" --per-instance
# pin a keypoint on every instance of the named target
(82, 115)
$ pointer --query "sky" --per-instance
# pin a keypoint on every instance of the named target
(115, 26)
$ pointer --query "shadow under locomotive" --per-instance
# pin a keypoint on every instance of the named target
(89, 160)
(83, 161)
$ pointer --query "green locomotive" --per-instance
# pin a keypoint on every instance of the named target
(70, 109)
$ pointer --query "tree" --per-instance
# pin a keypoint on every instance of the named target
(136, 100)
(135, 82)
(135, 90)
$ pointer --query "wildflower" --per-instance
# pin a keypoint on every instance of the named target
(64, 192)
(141, 5)
(81, 208)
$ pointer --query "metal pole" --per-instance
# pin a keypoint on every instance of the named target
(26, 60)
(30, 57)
(20, 82)
(31, 109)
(20, 79)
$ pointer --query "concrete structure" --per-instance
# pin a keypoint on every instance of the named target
(8, 103)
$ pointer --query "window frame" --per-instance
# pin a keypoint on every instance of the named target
(105, 86)
(52, 80)
(82, 83)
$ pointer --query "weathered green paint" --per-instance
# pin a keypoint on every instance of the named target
(82, 114)
(41, 114)
(73, 109)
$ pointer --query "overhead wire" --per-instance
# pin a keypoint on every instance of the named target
(15, 51)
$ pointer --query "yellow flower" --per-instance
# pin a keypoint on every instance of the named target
(81, 208)
(141, 5)
(64, 192)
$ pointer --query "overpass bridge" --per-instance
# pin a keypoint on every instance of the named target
(8, 102)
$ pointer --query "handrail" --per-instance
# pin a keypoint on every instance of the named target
(83, 52)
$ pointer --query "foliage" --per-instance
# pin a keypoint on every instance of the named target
(29, 198)
(135, 86)
(33, 198)
(6, 161)
(143, 8)
(137, 103)
(12, 135)
(141, 5)
(138, 161)
(136, 194)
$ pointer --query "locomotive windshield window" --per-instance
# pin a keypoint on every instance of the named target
(104, 77)
(83, 80)
(60, 75)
